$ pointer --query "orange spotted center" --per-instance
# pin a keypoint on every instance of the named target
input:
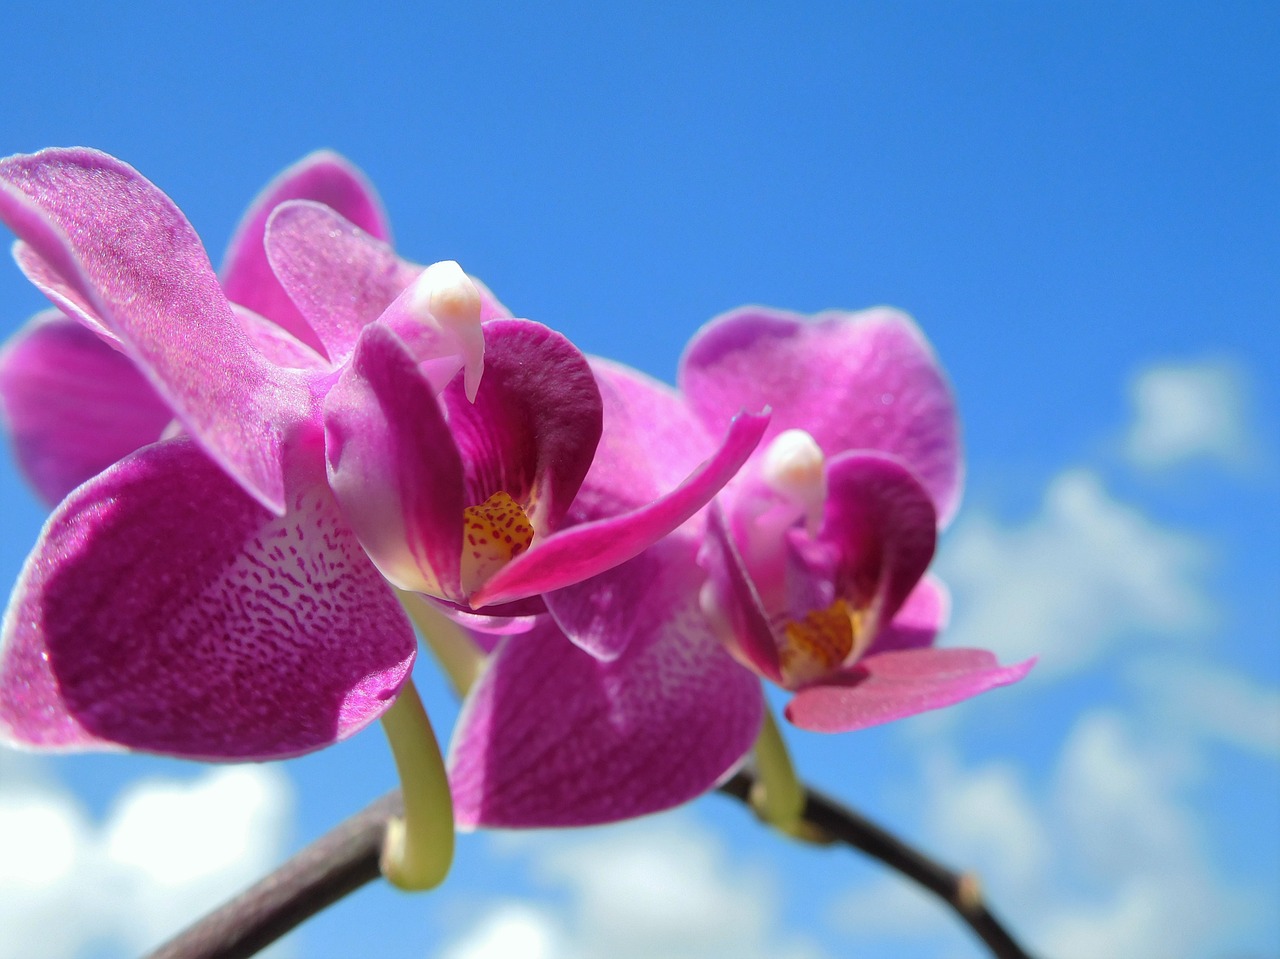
(818, 643)
(493, 534)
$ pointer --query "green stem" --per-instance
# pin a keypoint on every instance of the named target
(458, 655)
(418, 848)
(776, 796)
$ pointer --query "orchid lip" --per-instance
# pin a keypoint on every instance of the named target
(822, 642)
(493, 534)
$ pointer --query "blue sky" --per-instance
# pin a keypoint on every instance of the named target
(1080, 205)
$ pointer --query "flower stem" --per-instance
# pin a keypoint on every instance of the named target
(776, 796)
(460, 658)
(417, 849)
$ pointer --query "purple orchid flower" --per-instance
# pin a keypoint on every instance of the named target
(817, 558)
(216, 594)
(809, 571)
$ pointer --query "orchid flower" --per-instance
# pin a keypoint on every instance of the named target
(818, 553)
(809, 571)
(217, 594)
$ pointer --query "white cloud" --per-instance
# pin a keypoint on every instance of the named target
(1121, 802)
(1187, 411)
(1085, 574)
(167, 852)
(1106, 860)
(663, 886)
(987, 815)
(1214, 702)
(510, 928)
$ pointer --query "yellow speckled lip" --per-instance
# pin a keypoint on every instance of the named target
(493, 533)
(818, 643)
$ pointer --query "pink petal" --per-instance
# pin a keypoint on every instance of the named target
(165, 610)
(535, 422)
(277, 344)
(324, 177)
(746, 624)
(340, 278)
(855, 381)
(48, 281)
(580, 552)
(894, 685)
(72, 404)
(125, 250)
(551, 736)
(651, 441)
(879, 523)
(394, 467)
(918, 622)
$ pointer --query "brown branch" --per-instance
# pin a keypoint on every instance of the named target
(961, 891)
(346, 858)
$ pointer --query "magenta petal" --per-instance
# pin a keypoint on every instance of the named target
(881, 526)
(746, 623)
(394, 468)
(49, 282)
(580, 552)
(324, 177)
(72, 404)
(165, 610)
(894, 685)
(599, 614)
(650, 442)
(918, 622)
(853, 380)
(551, 736)
(340, 278)
(123, 247)
(277, 344)
(535, 422)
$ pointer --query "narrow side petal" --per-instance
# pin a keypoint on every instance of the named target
(340, 278)
(164, 610)
(324, 177)
(533, 427)
(72, 405)
(650, 442)
(745, 626)
(551, 736)
(894, 685)
(865, 380)
(125, 250)
(394, 467)
(917, 624)
(580, 552)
